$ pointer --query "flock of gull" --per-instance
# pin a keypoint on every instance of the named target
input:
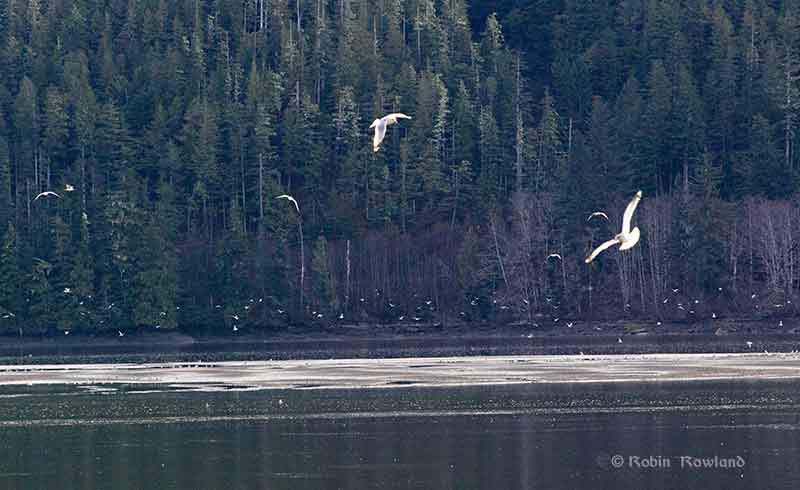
(627, 238)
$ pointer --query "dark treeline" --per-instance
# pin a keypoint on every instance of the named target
(178, 122)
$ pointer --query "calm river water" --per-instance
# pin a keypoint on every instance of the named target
(609, 435)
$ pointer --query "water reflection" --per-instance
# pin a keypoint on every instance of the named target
(529, 436)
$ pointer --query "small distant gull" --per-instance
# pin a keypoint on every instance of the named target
(713, 315)
(341, 316)
(235, 317)
(628, 237)
(597, 213)
(675, 290)
(235, 328)
(380, 127)
(619, 340)
(287, 196)
(569, 324)
(555, 255)
(46, 193)
(120, 333)
(66, 332)
(780, 323)
(749, 344)
(68, 188)
(67, 290)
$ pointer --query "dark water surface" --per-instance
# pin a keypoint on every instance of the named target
(494, 437)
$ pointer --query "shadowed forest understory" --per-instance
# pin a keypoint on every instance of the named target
(168, 129)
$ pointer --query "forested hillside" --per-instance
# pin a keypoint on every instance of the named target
(177, 123)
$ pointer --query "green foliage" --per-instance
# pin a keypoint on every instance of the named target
(324, 286)
(176, 126)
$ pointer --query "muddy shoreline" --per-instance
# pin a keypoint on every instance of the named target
(407, 340)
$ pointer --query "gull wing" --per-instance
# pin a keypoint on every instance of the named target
(46, 193)
(602, 247)
(628, 215)
(597, 213)
(287, 196)
(380, 132)
(397, 115)
(374, 123)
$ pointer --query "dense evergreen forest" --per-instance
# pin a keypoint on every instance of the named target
(169, 127)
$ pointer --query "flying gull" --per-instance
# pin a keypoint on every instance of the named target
(287, 196)
(380, 127)
(597, 213)
(46, 193)
(627, 238)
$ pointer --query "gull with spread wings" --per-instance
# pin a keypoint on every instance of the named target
(46, 193)
(290, 198)
(380, 127)
(627, 238)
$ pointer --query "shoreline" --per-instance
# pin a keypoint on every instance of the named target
(403, 340)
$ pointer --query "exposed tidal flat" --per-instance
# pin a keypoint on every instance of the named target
(405, 340)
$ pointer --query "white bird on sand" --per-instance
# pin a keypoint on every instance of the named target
(380, 127)
(597, 213)
(627, 238)
(46, 193)
(555, 255)
(68, 188)
(287, 196)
